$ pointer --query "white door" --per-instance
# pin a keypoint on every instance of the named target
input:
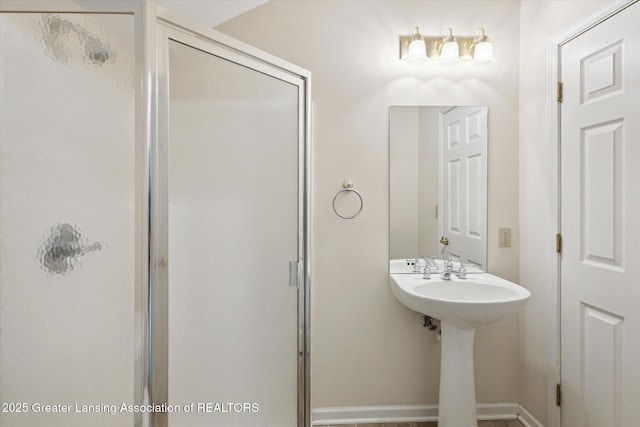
(464, 168)
(600, 225)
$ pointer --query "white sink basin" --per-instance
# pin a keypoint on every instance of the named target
(467, 303)
(461, 305)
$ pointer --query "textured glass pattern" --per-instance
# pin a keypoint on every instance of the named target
(67, 190)
(101, 43)
(63, 248)
(233, 210)
(66, 40)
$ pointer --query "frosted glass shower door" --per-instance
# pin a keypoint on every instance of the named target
(68, 212)
(233, 228)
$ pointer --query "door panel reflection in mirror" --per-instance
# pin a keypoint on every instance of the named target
(438, 182)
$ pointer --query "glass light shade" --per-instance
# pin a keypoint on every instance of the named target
(449, 53)
(483, 54)
(417, 51)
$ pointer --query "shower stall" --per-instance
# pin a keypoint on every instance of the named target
(154, 222)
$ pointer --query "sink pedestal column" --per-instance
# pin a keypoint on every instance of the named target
(457, 407)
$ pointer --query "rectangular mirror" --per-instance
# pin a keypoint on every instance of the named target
(438, 184)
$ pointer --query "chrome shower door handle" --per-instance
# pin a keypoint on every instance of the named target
(294, 274)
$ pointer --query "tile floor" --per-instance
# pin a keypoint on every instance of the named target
(501, 423)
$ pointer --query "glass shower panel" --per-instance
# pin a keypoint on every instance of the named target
(233, 228)
(67, 219)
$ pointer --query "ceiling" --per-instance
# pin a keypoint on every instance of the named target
(210, 12)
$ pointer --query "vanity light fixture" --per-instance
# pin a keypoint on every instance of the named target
(447, 50)
(417, 48)
(483, 50)
(450, 52)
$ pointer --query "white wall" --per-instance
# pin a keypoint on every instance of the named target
(539, 21)
(367, 348)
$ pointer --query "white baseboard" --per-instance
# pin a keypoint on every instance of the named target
(527, 419)
(414, 413)
(373, 414)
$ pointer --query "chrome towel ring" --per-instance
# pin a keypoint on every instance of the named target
(347, 187)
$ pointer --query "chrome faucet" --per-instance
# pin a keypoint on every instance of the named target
(448, 269)
(460, 273)
(428, 266)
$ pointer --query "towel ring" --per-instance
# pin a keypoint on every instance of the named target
(348, 188)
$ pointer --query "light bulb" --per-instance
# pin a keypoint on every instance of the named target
(417, 48)
(449, 54)
(483, 50)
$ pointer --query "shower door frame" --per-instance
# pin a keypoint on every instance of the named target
(151, 107)
(161, 26)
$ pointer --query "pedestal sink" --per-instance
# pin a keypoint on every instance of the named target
(462, 305)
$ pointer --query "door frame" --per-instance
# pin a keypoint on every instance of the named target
(160, 26)
(554, 259)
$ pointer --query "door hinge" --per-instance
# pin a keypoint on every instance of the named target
(559, 243)
(559, 91)
(558, 395)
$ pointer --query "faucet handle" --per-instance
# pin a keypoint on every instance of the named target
(462, 272)
(448, 265)
(426, 273)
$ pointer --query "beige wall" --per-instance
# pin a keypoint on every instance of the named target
(210, 13)
(367, 348)
(413, 183)
(403, 185)
(428, 147)
(539, 21)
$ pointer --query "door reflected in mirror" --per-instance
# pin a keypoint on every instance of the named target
(438, 183)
